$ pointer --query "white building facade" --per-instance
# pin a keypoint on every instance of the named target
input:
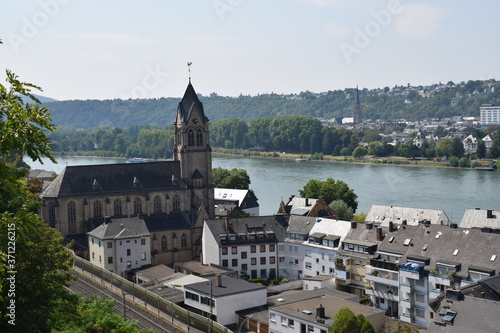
(490, 114)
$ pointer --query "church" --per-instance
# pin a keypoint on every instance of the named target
(172, 197)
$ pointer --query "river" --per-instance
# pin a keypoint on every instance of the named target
(450, 189)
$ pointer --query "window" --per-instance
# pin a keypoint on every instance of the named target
(199, 137)
(272, 260)
(224, 250)
(129, 264)
(71, 217)
(284, 321)
(157, 204)
(420, 313)
(291, 322)
(253, 261)
(207, 301)
(93, 255)
(253, 274)
(263, 273)
(234, 250)
(262, 260)
(192, 296)
(272, 317)
(176, 203)
(183, 240)
(308, 253)
(52, 215)
(243, 255)
(244, 267)
(190, 137)
(97, 208)
(281, 247)
(117, 207)
(137, 206)
(225, 263)
(128, 252)
(308, 265)
(290, 248)
(331, 257)
(253, 249)
(234, 262)
(143, 241)
(272, 247)
(419, 297)
(263, 248)
(143, 255)
(110, 245)
(164, 243)
(281, 259)
(110, 260)
(310, 328)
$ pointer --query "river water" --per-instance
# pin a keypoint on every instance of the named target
(450, 189)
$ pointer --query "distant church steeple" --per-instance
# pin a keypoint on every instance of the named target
(357, 116)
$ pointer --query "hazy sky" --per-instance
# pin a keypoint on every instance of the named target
(87, 49)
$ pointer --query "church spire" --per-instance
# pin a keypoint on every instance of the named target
(356, 101)
(357, 115)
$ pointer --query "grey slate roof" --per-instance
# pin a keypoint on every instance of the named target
(300, 224)
(246, 226)
(474, 248)
(229, 286)
(115, 178)
(477, 218)
(121, 228)
(383, 214)
(189, 102)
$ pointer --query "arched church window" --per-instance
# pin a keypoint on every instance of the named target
(190, 137)
(52, 215)
(117, 207)
(97, 208)
(183, 240)
(199, 137)
(137, 206)
(164, 243)
(176, 203)
(157, 204)
(71, 217)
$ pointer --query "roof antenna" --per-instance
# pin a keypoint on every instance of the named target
(189, 70)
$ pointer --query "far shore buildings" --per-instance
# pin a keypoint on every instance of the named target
(490, 114)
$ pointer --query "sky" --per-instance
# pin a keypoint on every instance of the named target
(89, 49)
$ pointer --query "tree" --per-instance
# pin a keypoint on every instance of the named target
(40, 260)
(395, 326)
(341, 209)
(359, 152)
(481, 149)
(347, 322)
(376, 148)
(235, 178)
(330, 190)
(359, 218)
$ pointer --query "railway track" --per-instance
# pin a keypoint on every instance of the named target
(145, 319)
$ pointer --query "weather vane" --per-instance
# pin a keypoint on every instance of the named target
(189, 70)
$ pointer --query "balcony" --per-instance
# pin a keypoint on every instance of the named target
(406, 288)
(381, 277)
(383, 294)
(440, 279)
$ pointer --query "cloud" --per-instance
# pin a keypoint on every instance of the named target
(419, 21)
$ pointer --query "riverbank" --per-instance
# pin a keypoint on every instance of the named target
(392, 161)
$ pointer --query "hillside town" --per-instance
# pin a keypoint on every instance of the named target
(163, 226)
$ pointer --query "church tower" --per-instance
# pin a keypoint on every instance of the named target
(192, 149)
(357, 116)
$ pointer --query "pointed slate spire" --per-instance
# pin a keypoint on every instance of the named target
(190, 101)
(356, 101)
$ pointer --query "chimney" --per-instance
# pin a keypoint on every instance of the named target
(369, 226)
(391, 226)
(353, 225)
(379, 234)
(489, 214)
(307, 202)
(107, 220)
(218, 280)
(320, 311)
(226, 224)
(404, 222)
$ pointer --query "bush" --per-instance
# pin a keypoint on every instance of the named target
(464, 162)
(453, 161)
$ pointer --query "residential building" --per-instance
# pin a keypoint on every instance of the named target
(488, 141)
(316, 315)
(227, 199)
(291, 252)
(320, 248)
(429, 259)
(223, 296)
(382, 215)
(470, 144)
(173, 196)
(489, 114)
(248, 245)
(306, 207)
(120, 245)
(358, 247)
